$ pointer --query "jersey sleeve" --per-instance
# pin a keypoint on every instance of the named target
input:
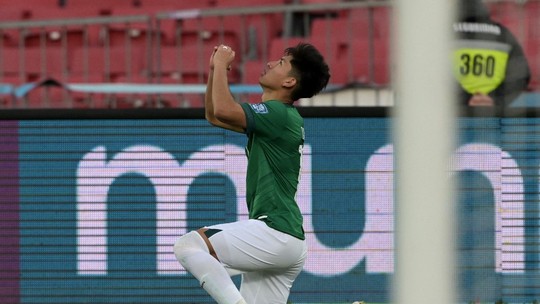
(264, 119)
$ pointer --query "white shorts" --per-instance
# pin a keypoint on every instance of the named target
(269, 260)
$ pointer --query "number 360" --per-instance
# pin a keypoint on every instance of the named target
(477, 65)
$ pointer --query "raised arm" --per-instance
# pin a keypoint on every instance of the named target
(220, 107)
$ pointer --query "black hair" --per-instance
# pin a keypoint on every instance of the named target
(309, 69)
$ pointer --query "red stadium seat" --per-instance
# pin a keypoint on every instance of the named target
(248, 3)
(10, 37)
(100, 5)
(71, 37)
(204, 33)
(383, 61)
(46, 63)
(181, 65)
(10, 69)
(56, 35)
(249, 35)
(34, 64)
(367, 63)
(14, 13)
(28, 4)
(354, 23)
(353, 67)
(345, 43)
(317, 1)
(95, 64)
(334, 38)
(153, 6)
(69, 12)
(133, 35)
(382, 17)
(138, 34)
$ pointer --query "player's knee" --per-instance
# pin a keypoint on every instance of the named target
(188, 244)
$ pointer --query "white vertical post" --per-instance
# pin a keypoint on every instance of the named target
(424, 136)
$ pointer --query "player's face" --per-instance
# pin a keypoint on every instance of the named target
(276, 72)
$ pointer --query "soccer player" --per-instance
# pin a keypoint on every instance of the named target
(269, 249)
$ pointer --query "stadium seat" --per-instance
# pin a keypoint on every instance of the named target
(61, 13)
(10, 70)
(382, 16)
(33, 64)
(345, 43)
(248, 3)
(205, 33)
(316, 1)
(154, 6)
(72, 37)
(101, 5)
(352, 67)
(248, 34)
(10, 37)
(96, 64)
(364, 22)
(46, 63)
(61, 31)
(364, 62)
(26, 4)
(137, 34)
(130, 35)
(181, 65)
(334, 37)
(383, 61)
(14, 13)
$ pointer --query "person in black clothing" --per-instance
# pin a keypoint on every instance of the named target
(489, 63)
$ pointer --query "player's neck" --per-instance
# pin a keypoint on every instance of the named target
(282, 96)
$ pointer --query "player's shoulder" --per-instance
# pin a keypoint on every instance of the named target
(267, 107)
(274, 109)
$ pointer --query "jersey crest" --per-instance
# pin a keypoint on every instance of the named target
(259, 108)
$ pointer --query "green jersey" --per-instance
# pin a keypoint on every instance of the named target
(274, 149)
